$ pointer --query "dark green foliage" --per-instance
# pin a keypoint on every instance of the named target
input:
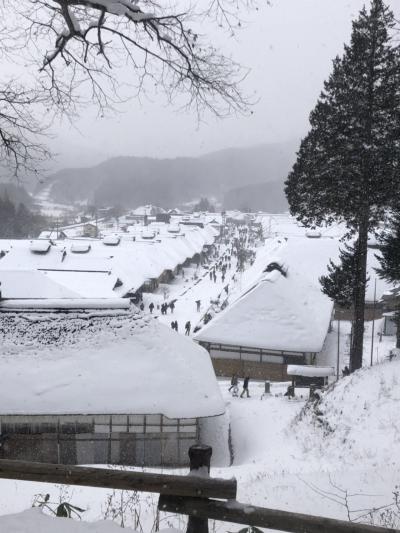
(61, 510)
(204, 205)
(18, 222)
(389, 259)
(340, 281)
(389, 247)
(66, 510)
(347, 168)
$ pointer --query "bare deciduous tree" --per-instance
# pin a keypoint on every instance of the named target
(75, 49)
(20, 131)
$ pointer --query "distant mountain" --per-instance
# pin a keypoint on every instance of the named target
(268, 197)
(133, 181)
(16, 193)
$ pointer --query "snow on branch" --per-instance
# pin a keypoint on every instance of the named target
(88, 40)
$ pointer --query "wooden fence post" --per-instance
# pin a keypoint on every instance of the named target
(200, 460)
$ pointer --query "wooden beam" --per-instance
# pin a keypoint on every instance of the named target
(250, 515)
(119, 479)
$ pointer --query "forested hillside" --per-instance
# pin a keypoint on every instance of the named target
(132, 181)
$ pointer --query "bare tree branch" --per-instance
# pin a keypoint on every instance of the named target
(20, 133)
(77, 47)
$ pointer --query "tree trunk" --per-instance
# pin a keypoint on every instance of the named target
(356, 353)
(397, 320)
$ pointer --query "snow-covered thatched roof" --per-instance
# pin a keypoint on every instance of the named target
(89, 269)
(278, 313)
(102, 362)
(42, 285)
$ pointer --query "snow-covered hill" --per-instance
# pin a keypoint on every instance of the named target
(357, 420)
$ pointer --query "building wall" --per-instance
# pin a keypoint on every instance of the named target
(141, 440)
(267, 371)
(254, 362)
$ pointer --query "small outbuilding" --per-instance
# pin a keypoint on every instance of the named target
(306, 375)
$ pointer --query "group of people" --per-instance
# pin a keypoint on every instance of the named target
(235, 386)
(188, 326)
(165, 306)
(223, 265)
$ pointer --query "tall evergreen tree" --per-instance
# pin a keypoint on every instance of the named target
(389, 247)
(389, 259)
(347, 167)
(340, 281)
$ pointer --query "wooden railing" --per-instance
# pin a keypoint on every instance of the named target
(196, 495)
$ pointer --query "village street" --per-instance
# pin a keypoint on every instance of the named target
(196, 284)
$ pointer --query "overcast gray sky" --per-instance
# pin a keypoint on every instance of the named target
(288, 47)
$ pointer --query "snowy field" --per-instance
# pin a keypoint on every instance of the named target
(50, 208)
(340, 459)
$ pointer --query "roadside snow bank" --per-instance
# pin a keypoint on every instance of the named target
(35, 520)
(356, 421)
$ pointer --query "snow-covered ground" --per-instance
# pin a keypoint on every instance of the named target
(335, 460)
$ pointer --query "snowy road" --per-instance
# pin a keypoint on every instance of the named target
(196, 284)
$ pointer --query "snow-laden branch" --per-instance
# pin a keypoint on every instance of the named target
(86, 41)
(107, 51)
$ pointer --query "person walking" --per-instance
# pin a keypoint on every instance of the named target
(234, 382)
(172, 307)
(151, 307)
(172, 325)
(246, 387)
(176, 326)
(142, 306)
(198, 303)
(187, 327)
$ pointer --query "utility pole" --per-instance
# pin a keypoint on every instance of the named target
(338, 349)
(373, 325)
